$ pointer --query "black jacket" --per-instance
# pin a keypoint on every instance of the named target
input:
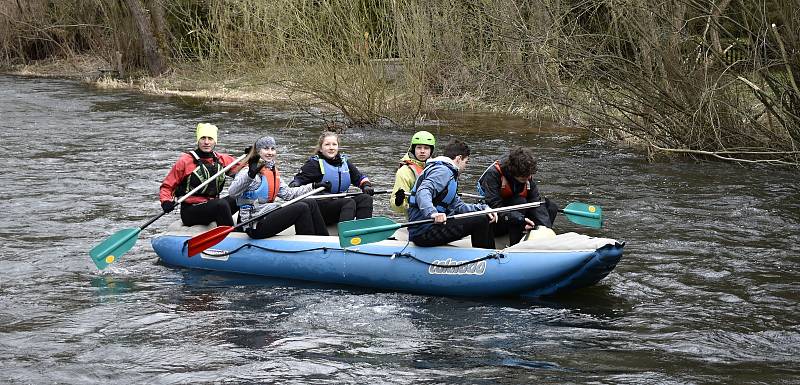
(310, 172)
(490, 183)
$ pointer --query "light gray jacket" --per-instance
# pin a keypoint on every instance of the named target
(243, 183)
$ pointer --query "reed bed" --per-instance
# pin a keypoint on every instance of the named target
(701, 78)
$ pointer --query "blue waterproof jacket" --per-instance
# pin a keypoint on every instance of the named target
(438, 175)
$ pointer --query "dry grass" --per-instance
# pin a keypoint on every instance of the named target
(655, 73)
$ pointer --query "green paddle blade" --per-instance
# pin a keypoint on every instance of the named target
(584, 214)
(112, 248)
(361, 231)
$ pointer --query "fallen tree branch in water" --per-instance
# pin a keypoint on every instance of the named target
(722, 155)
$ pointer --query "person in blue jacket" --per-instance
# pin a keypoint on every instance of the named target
(435, 196)
(330, 166)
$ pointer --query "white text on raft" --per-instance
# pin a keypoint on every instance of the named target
(475, 268)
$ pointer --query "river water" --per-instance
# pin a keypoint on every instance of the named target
(707, 291)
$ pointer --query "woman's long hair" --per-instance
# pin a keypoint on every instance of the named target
(252, 156)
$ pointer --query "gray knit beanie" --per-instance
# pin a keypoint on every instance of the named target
(265, 142)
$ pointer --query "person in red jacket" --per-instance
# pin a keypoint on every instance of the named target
(192, 169)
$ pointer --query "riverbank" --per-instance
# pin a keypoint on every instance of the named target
(214, 82)
(186, 81)
(340, 108)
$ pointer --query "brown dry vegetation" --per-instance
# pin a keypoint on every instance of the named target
(706, 78)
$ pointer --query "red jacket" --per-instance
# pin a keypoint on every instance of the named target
(183, 168)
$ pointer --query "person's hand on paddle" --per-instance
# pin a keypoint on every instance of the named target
(254, 169)
(399, 197)
(324, 183)
(167, 206)
(367, 189)
(439, 218)
(492, 215)
(529, 225)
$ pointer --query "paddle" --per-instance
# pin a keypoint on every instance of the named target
(347, 194)
(402, 194)
(468, 195)
(577, 212)
(120, 242)
(584, 214)
(199, 243)
(362, 231)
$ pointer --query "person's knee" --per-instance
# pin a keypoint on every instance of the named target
(512, 229)
(349, 204)
(484, 224)
(232, 206)
(221, 206)
(363, 200)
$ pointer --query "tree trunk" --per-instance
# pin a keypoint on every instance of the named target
(716, 12)
(155, 59)
(159, 24)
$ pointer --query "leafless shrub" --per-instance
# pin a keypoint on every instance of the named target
(706, 78)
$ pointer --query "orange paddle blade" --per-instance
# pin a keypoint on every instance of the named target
(198, 243)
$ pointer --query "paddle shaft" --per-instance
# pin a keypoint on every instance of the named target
(564, 210)
(347, 194)
(476, 213)
(468, 195)
(394, 226)
(209, 180)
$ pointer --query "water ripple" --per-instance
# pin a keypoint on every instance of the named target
(706, 292)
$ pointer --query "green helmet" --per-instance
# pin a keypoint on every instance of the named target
(423, 137)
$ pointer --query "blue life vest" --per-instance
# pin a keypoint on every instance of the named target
(266, 191)
(445, 197)
(338, 176)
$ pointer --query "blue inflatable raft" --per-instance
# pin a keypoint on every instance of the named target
(538, 267)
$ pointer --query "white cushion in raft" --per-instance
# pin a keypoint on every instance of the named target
(563, 242)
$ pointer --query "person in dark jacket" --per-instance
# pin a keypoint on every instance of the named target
(191, 170)
(508, 182)
(435, 196)
(331, 166)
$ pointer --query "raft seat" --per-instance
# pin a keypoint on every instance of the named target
(177, 227)
(561, 242)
